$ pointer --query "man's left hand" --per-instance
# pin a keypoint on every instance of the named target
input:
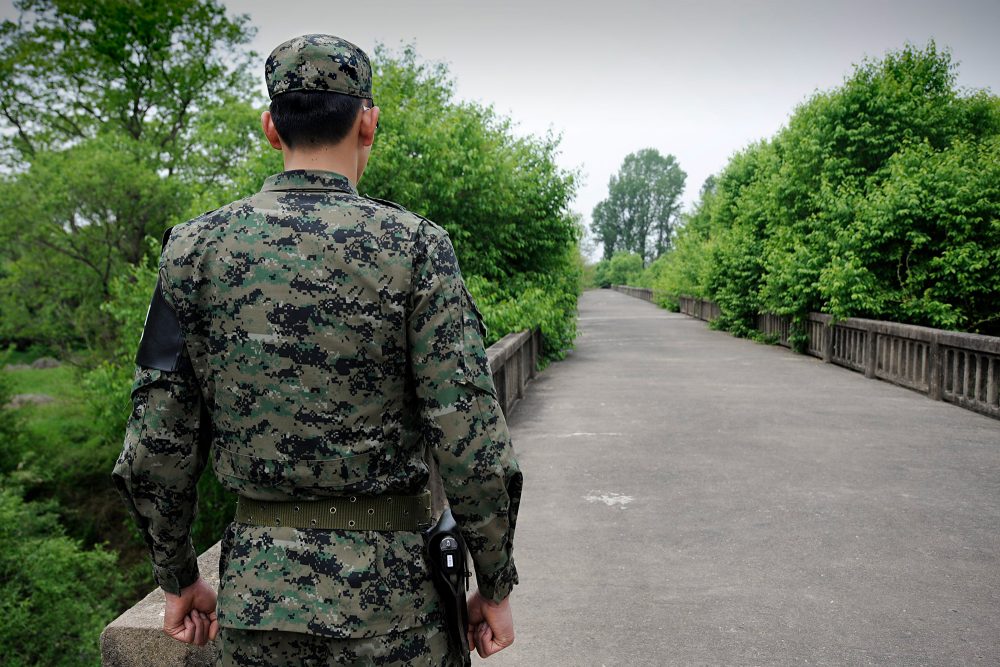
(190, 616)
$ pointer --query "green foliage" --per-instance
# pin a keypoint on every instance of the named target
(10, 423)
(55, 597)
(547, 301)
(924, 245)
(642, 205)
(145, 68)
(502, 198)
(118, 115)
(623, 268)
(879, 199)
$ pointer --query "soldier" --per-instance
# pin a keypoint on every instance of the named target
(312, 343)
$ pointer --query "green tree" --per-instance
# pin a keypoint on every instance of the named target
(104, 105)
(502, 197)
(624, 268)
(642, 205)
(879, 199)
(924, 245)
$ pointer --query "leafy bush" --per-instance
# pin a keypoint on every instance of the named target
(55, 597)
(880, 199)
(10, 426)
(622, 269)
(547, 301)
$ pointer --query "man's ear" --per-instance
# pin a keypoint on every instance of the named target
(368, 125)
(270, 131)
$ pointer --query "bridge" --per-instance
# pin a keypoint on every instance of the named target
(696, 499)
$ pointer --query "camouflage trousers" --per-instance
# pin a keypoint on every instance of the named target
(425, 645)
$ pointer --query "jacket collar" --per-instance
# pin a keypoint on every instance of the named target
(308, 179)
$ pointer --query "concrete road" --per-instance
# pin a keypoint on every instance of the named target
(695, 499)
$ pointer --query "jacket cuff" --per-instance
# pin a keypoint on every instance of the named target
(173, 579)
(498, 585)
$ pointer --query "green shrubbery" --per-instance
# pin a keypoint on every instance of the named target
(55, 596)
(624, 268)
(502, 198)
(880, 199)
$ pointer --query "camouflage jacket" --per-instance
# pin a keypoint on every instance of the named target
(328, 339)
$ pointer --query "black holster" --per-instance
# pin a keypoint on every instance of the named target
(446, 558)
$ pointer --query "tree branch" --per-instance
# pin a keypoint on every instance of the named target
(5, 110)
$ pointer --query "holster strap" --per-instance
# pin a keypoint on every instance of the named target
(385, 513)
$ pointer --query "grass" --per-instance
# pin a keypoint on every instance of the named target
(62, 382)
(52, 432)
(57, 444)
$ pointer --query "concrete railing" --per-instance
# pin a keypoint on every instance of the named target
(960, 368)
(136, 639)
(700, 308)
(638, 292)
(514, 361)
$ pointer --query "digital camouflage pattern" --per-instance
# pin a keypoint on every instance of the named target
(426, 645)
(318, 62)
(329, 339)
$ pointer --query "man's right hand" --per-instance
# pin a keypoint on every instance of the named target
(190, 617)
(491, 625)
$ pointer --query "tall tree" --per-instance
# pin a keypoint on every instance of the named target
(116, 116)
(642, 206)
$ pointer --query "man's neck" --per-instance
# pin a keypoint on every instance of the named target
(325, 159)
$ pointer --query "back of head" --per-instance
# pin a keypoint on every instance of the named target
(317, 85)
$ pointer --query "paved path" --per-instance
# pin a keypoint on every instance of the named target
(696, 499)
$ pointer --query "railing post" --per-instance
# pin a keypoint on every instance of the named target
(827, 342)
(871, 352)
(934, 378)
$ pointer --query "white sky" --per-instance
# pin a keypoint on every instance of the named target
(696, 79)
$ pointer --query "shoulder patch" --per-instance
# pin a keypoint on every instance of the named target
(166, 235)
(162, 341)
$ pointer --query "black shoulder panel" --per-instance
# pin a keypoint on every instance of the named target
(162, 341)
(166, 235)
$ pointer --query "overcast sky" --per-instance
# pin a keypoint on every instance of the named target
(696, 79)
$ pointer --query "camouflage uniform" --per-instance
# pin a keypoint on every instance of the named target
(326, 341)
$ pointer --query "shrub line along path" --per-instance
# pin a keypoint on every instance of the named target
(696, 499)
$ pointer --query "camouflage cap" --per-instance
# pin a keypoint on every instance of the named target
(318, 62)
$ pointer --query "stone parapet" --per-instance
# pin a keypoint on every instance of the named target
(136, 639)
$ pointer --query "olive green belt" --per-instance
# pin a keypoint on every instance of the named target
(340, 513)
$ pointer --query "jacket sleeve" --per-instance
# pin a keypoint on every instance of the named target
(165, 452)
(460, 415)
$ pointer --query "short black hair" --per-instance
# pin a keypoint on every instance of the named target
(314, 117)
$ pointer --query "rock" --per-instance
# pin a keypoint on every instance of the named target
(45, 362)
(20, 400)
